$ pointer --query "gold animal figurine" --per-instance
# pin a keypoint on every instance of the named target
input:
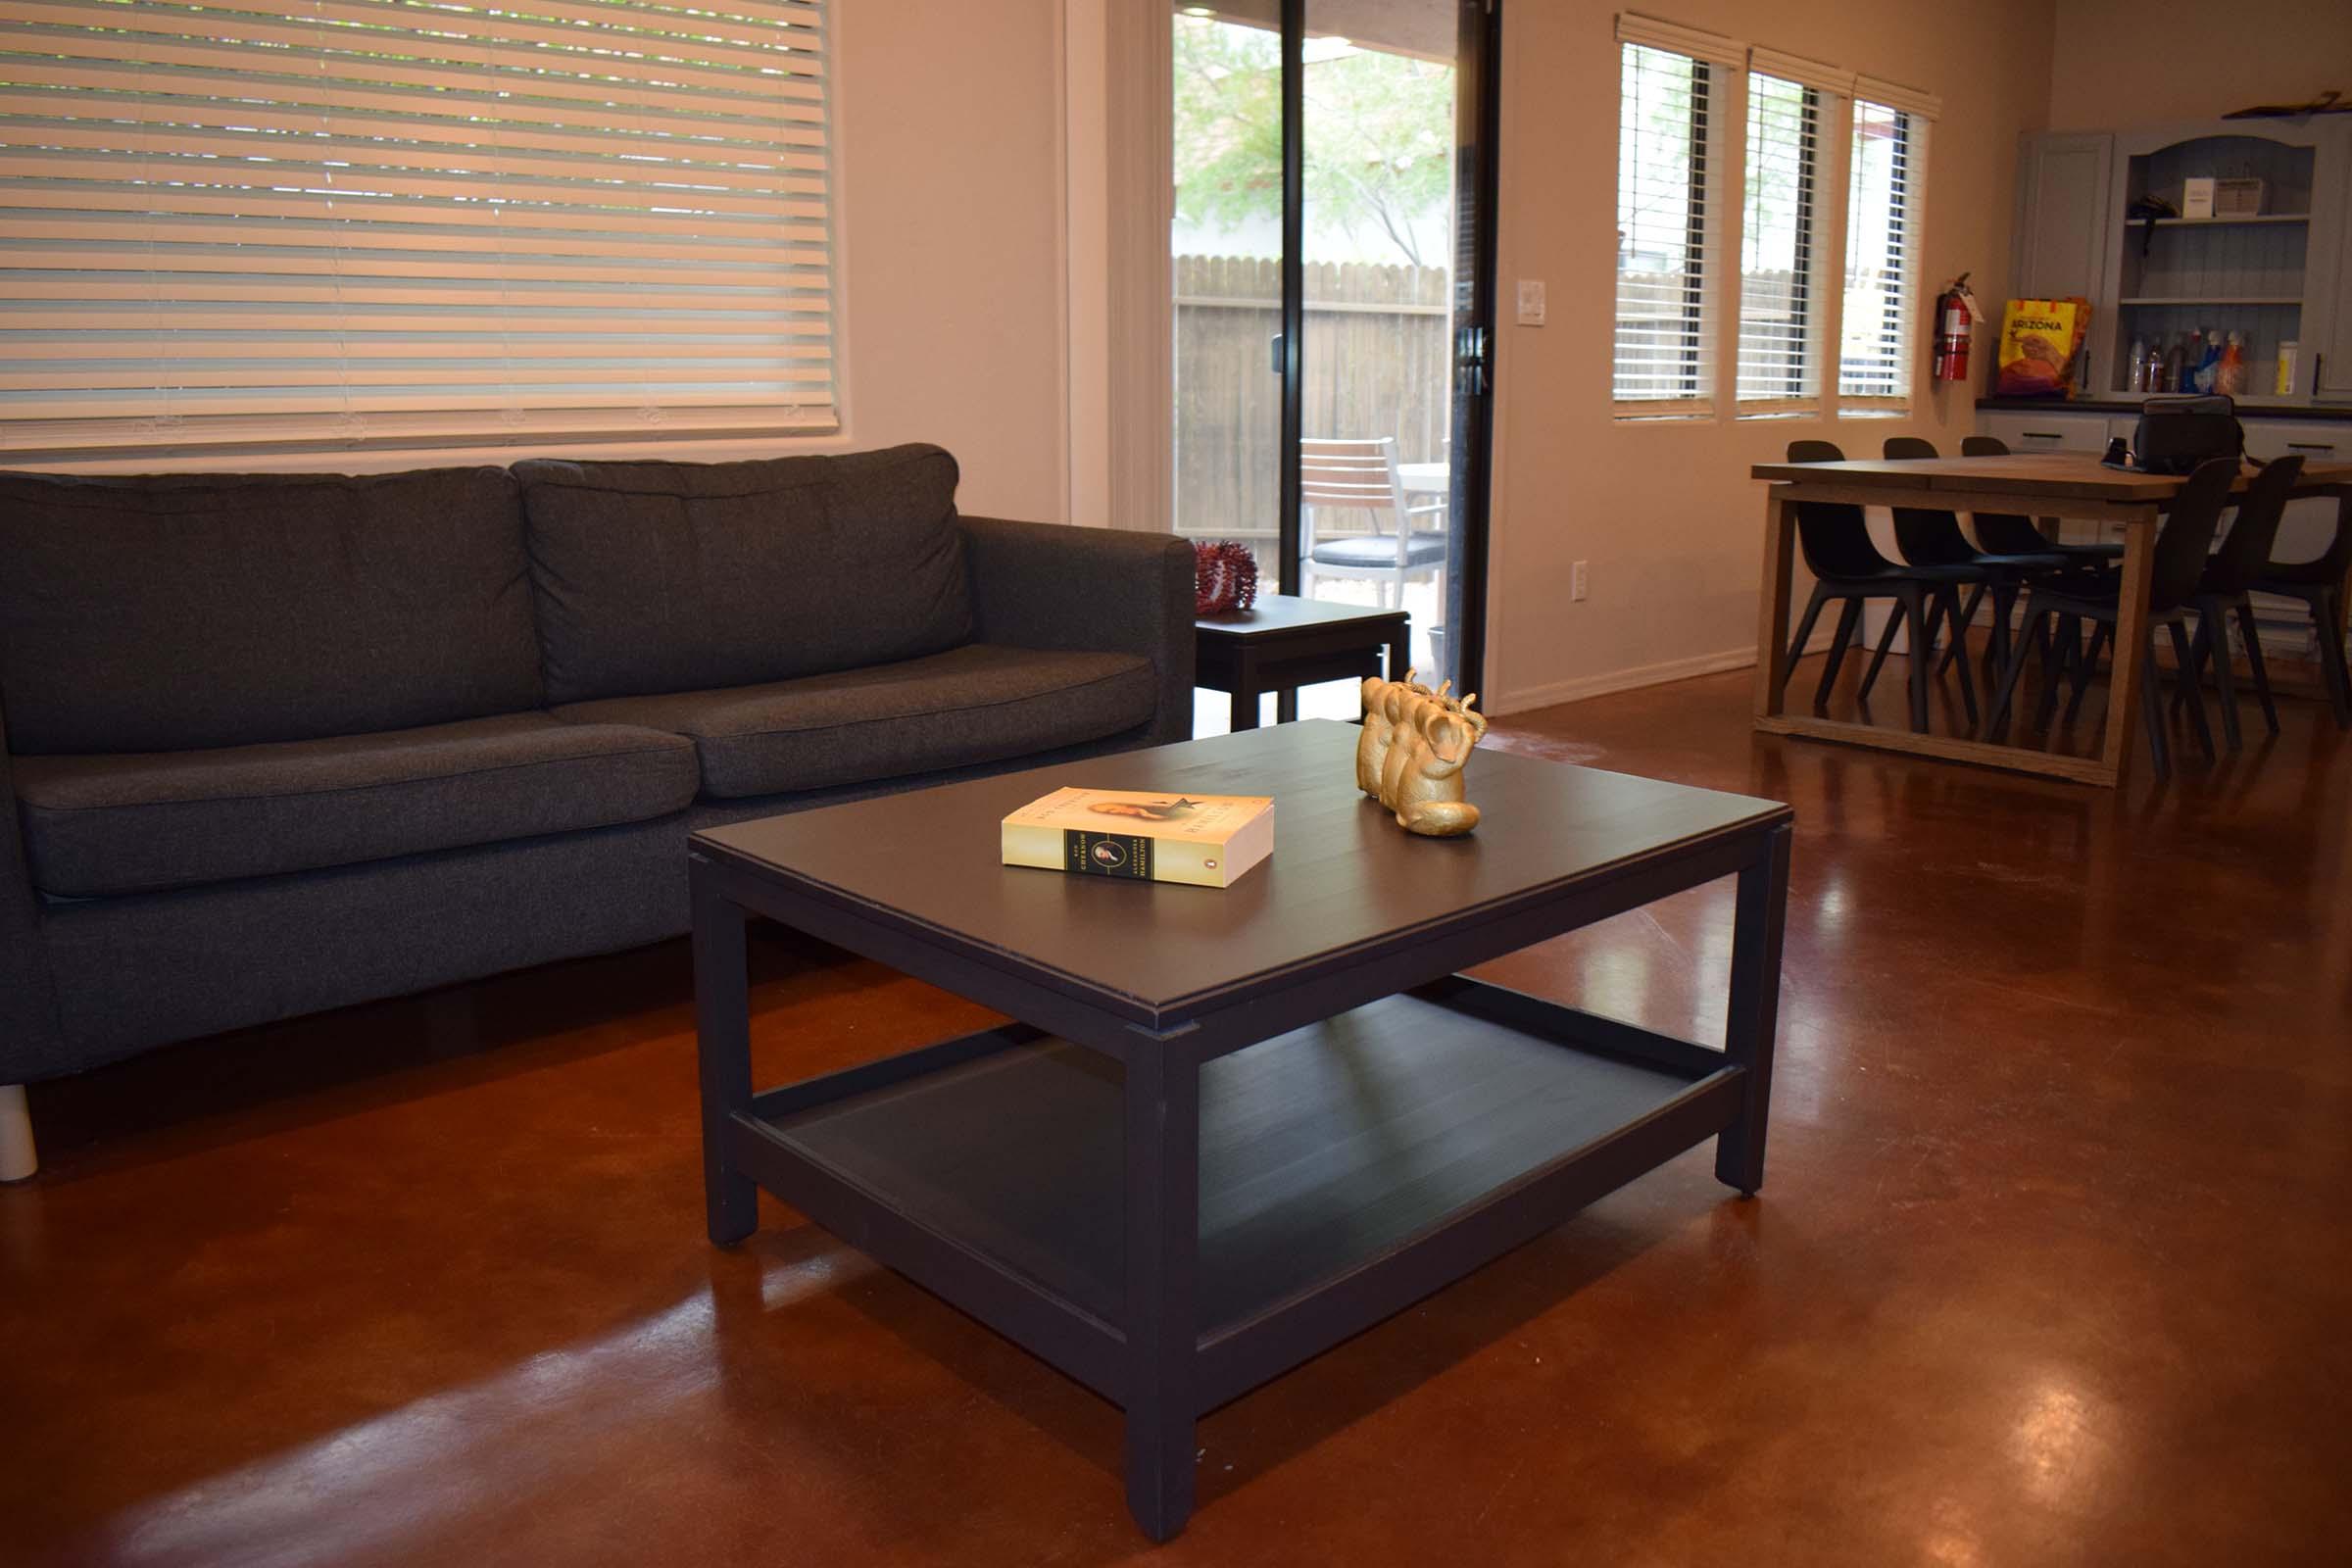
(1403, 706)
(1416, 745)
(1380, 726)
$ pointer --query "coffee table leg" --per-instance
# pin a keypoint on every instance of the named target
(1163, 1238)
(1754, 1011)
(1286, 704)
(722, 1018)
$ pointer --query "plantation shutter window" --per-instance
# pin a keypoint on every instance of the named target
(391, 222)
(1878, 352)
(1664, 362)
(1780, 369)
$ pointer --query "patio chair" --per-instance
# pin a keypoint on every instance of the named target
(1361, 476)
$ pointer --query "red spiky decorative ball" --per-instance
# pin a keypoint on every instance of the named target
(1224, 577)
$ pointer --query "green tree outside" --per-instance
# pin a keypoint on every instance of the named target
(1379, 134)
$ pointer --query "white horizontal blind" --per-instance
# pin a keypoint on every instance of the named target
(385, 222)
(1780, 369)
(1665, 339)
(1881, 229)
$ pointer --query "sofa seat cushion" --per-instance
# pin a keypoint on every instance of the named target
(109, 824)
(975, 703)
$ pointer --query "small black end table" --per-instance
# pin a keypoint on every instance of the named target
(1286, 642)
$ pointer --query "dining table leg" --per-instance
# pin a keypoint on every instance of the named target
(2130, 645)
(1772, 608)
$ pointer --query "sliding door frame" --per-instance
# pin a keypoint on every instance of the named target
(1138, 337)
(1477, 123)
(1294, 287)
(1478, 120)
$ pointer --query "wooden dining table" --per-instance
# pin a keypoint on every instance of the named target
(2049, 487)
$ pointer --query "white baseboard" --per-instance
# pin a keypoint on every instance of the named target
(1625, 680)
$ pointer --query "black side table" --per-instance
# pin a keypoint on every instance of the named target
(1285, 643)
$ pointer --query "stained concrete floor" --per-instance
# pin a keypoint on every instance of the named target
(2052, 1264)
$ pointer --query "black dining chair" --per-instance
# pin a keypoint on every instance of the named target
(1933, 537)
(1846, 565)
(2319, 585)
(2230, 573)
(2006, 533)
(2182, 543)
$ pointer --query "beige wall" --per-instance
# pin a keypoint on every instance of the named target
(1664, 514)
(2123, 63)
(951, 147)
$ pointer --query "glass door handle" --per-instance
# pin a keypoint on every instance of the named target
(1470, 358)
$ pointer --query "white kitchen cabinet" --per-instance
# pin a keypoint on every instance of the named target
(2062, 213)
(2059, 431)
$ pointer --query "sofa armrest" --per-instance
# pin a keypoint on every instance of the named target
(31, 1045)
(1049, 585)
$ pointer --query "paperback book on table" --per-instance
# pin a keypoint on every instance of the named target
(1209, 841)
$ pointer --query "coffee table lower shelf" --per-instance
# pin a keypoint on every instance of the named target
(1345, 1169)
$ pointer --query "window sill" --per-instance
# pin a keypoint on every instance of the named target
(1667, 414)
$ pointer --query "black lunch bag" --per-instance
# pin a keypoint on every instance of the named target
(2176, 434)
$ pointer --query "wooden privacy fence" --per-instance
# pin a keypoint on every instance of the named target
(1375, 362)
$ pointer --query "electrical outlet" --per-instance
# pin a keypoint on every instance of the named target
(1531, 301)
(1576, 581)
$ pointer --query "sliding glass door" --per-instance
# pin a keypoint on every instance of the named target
(1333, 297)
(1225, 266)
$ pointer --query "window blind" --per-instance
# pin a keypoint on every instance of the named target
(1882, 226)
(1779, 361)
(1665, 348)
(385, 222)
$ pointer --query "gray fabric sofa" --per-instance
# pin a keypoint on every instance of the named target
(277, 743)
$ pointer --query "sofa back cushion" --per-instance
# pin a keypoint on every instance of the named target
(673, 576)
(166, 612)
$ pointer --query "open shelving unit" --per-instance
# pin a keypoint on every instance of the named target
(2214, 299)
(2216, 222)
(2244, 274)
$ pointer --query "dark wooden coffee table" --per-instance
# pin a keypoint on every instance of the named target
(1284, 642)
(1232, 1127)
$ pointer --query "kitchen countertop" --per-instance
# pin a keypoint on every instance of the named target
(2245, 410)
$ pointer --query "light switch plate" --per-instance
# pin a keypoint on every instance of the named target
(1531, 301)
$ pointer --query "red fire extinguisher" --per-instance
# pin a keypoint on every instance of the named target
(1956, 316)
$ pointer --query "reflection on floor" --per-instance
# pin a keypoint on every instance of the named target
(2049, 1267)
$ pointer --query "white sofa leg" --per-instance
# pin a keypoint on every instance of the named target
(17, 1158)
